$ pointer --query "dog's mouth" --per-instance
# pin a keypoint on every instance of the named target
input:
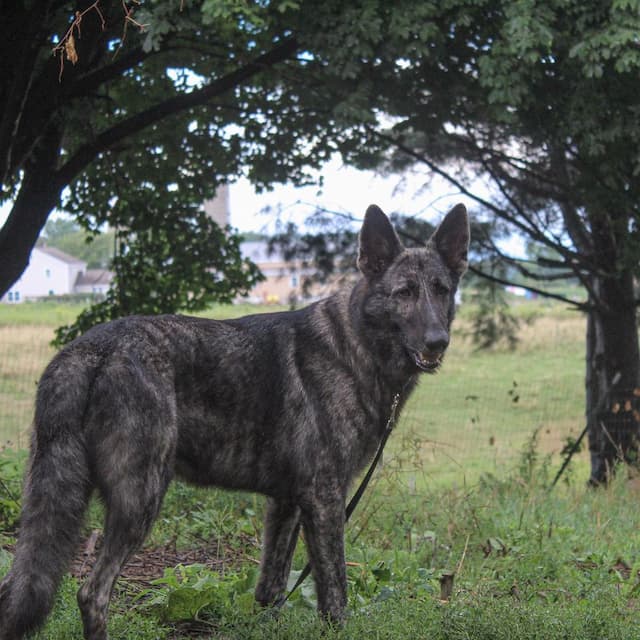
(427, 360)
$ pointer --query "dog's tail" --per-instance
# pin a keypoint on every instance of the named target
(56, 493)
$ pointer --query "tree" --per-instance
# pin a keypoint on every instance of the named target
(93, 111)
(67, 235)
(539, 100)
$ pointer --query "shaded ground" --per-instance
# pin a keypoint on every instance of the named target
(150, 563)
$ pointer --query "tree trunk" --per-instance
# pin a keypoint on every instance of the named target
(39, 193)
(613, 376)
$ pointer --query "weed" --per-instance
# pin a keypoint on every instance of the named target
(11, 471)
(195, 593)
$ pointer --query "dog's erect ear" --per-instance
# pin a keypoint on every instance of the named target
(452, 239)
(379, 243)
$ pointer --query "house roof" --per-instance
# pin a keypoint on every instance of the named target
(60, 255)
(93, 277)
(258, 252)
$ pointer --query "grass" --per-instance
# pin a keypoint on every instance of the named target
(526, 563)
(463, 490)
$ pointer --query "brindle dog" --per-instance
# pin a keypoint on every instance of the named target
(291, 405)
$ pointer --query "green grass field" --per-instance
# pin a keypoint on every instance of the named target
(463, 490)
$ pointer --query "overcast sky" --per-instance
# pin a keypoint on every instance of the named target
(344, 190)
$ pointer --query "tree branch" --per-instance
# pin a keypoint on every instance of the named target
(108, 138)
(530, 231)
(575, 227)
(582, 306)
(519, 264)
(89, 82)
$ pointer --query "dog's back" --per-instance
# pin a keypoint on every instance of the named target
(241, 404)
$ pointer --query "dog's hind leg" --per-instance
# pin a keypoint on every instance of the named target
(131, 508)
(281, 527)
(132, 431)
(133, 467)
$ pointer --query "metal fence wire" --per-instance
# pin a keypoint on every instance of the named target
(475, 417)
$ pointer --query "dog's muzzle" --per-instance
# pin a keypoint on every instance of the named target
(427, 360)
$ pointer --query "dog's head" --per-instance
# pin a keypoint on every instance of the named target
(410, 292)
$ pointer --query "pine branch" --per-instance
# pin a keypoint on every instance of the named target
(582, 306)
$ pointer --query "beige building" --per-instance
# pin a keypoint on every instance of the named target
(284, 280)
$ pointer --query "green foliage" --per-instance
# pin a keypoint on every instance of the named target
(196, 593)
(67, 235)
(58, 228)
(184, 262)
(192, 516)
(493, 322)
(11, 472)
(251, 16)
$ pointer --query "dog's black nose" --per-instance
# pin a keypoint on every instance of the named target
(436, 341)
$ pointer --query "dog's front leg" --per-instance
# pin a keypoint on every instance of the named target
(281, 526)
(323, 523)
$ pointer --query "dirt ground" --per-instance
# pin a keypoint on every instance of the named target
(150, 563)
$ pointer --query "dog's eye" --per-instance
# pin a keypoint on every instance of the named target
(404, 292)
(440, 288)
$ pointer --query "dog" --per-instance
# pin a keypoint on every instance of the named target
(290, 404)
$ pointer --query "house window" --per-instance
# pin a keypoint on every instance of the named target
(47, 273)
(50, 292)
(16, 296)
(294, 280)
(10, 296)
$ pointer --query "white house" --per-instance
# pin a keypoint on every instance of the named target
(52, 272)
(93, 281)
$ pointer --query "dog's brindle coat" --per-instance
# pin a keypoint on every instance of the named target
(291, 405)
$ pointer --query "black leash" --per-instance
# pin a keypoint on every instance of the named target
(353, 503)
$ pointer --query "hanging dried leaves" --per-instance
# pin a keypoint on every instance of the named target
(66, 48)
(70, 49)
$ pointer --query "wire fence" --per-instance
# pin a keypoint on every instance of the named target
(474, 417)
